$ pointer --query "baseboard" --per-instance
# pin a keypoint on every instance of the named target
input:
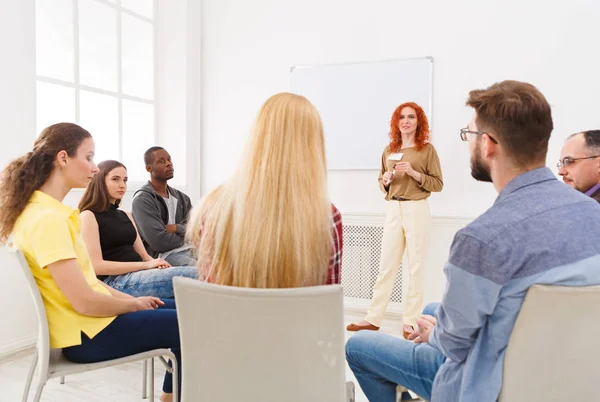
(355, 305)
(18, 345)
(379, 219)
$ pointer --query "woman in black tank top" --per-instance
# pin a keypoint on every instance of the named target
(114, 244)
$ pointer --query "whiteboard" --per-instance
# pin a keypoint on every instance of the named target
(356, 102)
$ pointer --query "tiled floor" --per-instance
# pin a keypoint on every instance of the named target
(118, 384)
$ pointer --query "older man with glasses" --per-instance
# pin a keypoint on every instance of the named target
(579, 165)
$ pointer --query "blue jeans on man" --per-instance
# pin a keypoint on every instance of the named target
(381, 362)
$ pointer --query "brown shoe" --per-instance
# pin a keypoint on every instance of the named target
(354, 327)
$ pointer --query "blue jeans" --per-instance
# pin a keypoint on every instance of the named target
(380, 362)
(183, 258)
(150, 282)
(133, 333)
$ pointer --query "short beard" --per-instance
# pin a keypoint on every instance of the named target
(478, 170)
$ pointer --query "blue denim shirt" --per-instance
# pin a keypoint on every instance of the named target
(539, 231)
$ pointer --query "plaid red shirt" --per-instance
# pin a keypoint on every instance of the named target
(335, 262)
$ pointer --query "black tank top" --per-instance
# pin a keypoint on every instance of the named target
(117, 235)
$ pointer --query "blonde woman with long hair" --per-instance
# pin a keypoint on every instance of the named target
(271, 225)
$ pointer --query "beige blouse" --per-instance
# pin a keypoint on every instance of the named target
(425, 161)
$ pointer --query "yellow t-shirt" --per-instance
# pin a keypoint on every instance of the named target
(46, 232)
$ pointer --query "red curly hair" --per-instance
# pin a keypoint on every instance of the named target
(422, 134)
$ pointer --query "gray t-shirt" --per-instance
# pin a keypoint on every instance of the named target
(172, 207)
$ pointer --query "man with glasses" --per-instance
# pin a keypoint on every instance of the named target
(458, 354)
(579, 163)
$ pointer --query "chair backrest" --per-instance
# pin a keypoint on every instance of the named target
(267, 345)
(553, 351)
(14, 258)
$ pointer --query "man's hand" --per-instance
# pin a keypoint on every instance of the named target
(172, 228)
(425, 325)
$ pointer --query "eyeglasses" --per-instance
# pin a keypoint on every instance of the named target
(567, 160)
(465, 131)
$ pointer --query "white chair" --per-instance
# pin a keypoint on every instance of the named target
(553, 352)
(50, 362)
(261, 345)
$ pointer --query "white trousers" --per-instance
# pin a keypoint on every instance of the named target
(407, 227)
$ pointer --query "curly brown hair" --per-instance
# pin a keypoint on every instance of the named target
(21, 177)
(422, 134)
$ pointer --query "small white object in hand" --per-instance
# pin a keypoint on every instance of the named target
(387, 183)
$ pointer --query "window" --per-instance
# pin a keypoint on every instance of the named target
(95, 66)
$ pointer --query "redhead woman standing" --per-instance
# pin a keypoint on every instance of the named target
(410, 172)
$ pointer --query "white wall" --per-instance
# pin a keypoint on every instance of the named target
(178, 80)
(248, 48)
(17, 103)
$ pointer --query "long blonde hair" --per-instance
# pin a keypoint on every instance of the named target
(269, 225)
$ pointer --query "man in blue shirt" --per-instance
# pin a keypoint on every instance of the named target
(538, 231)
(579, 163)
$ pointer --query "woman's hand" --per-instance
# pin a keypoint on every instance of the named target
(387, 178)
(155, 263)
(405, 167)
(148, 303)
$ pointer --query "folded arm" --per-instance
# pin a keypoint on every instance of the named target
(151, 227)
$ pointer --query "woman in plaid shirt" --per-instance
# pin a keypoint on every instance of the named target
(271, 225)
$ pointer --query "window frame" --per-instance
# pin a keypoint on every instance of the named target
(118, 94)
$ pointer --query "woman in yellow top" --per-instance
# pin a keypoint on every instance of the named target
(88, 320)
(410, 171)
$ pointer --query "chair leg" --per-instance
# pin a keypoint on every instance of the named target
(176, 389)
(30, 376)
(151, 375)
(350, 392)
(38, 392)
(145, 380)
(166, 364)
(62, 379)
